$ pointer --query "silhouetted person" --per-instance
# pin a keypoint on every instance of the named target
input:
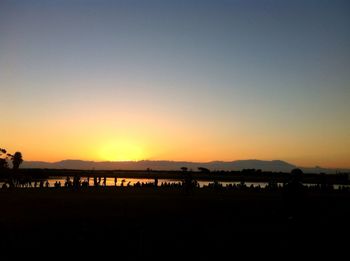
(216, 185)
(85, 184)
(188, 181)
(242, 185)
(76, 182)
(156, 181)
(105, 181)
(324, 183)
(294, 194)
(115, 181)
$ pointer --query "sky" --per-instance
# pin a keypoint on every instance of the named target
(176, 80)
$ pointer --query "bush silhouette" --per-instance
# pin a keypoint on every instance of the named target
(201, 169)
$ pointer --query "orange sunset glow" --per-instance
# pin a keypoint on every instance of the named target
(174, 129)
(92, 90)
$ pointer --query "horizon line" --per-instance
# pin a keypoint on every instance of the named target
(196, 162)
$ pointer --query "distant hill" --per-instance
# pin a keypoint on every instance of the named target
(274, 165)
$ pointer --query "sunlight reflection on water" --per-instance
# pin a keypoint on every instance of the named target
(119, 182)
(132, 181)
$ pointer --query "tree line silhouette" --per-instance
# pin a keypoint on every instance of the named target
(188, 179)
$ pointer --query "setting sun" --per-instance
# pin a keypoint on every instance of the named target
(203, 81)
(174, 128)
(121, 151)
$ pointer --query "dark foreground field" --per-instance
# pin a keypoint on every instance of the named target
(167, 223)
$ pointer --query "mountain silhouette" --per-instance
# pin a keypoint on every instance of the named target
(274, 165)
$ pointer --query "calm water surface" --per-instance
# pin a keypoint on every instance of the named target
(132, 181)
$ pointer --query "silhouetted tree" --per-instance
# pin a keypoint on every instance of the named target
(3, 164)
(249, 171)
(2, 151)
(184, 169)
(297, 172)
(16, 159)
(3, 161)
(201, 169)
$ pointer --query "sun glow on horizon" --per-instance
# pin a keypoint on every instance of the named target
(218, 81)
(121, 151)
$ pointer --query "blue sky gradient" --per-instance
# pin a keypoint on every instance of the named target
(253, 74)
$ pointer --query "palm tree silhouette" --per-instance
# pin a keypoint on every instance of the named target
(3, 161)
(17, 159)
